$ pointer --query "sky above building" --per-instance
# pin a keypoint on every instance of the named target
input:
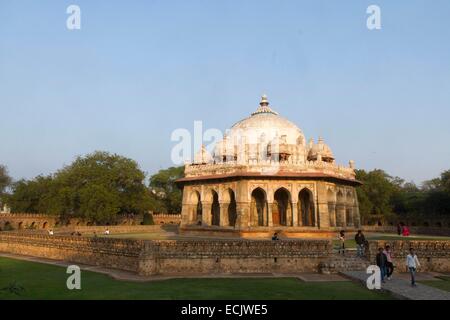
(138, 70)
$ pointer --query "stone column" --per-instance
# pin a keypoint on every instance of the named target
(224, 222)
(269, 214)
(331, 208)
(242, 212)
(206, 213)
(340, 215)
(187, 214)
(295, 214)
(289, 215)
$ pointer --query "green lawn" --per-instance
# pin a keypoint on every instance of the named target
(350, 243)
(42, 281)
(443, 285)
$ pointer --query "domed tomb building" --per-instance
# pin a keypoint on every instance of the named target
(263, 177)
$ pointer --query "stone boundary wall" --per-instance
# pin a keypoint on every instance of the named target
(233, 256)
(112, 229)
(148, 257)
(162, 218)
(114, 253)
(434, 255)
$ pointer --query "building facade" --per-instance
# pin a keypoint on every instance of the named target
(264, 176)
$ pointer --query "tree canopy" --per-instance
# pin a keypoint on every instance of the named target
(5, 181)
(166, 197)
(389, 197)
(96, 187)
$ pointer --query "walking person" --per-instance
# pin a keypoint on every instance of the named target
(381, 263)
(405, 231)
(389, 263)
(360, 243)
(341, 238)
(412, 263)
(399, 228)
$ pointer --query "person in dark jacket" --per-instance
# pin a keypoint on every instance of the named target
(381, 263)
(360, 243)
(399, 229)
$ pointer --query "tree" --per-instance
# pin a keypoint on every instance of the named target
(376, 192)
(96, 187)
(166, 196)
(5, 181)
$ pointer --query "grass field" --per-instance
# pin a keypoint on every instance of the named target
(443, 285)
(42, 281)
(350, 242)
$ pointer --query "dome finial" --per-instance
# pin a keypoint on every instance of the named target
(264, 101)
(264, 106)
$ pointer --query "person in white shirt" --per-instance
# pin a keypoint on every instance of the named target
(412, 263)
(50, 232)
(107, 231)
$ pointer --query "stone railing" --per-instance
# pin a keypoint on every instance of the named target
(267, 166)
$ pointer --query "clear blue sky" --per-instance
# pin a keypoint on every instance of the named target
(137, 70)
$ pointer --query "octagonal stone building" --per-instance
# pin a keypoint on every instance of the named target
(263, 177)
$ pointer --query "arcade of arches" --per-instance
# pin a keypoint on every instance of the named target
(255, 204)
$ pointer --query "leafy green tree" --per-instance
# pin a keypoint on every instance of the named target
(5, 181)
(376, 192)
(96, 187)
(166, 196)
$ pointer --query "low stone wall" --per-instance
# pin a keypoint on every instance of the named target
(233, 256)
(113, 253)
(174, 257)
(162, 218)
(434, 255)
(22, 221)
(114, 229)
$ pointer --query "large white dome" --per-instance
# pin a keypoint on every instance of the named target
(265, 124)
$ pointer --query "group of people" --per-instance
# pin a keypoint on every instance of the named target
(384, 257)
(360, 240)
(385, 262)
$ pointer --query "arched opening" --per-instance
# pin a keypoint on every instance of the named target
(196, 216)
(281, 207)
(20, 225)
(349, 210)
(7, 226)
(215, 209)
(306, 208)
(232, 214)
(258, 207)
(44, 226)
(33, 225)
(331, 208)
(340, 210)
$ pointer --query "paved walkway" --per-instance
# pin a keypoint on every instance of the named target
(400, 286)
(131, 276)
